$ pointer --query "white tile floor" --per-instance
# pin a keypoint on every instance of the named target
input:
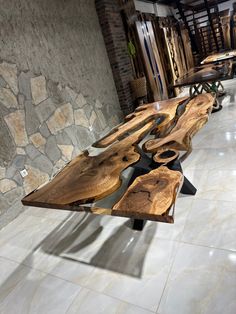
(60, 262)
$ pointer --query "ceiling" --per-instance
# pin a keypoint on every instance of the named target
(195, 5)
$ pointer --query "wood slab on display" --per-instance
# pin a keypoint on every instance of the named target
(158, 63)
(87, 179)
(151, 196)
(195, 116)
(221, 56)
(165, 110)
(206, 73)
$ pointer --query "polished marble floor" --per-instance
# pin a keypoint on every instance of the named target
(60, 262)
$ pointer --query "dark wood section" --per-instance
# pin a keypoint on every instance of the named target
(151, 196)
(206, 73)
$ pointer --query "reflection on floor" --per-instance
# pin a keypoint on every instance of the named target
(61, 262)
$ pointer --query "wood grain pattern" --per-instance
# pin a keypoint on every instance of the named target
(151, 196)
(225, 22)
(87, 178)
(187, 47)
(195, 116)
(166, 110)
(156, 53)
(165, 155)
(148, 61)
(220, 56)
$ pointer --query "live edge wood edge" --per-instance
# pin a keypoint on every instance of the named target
(87, 179)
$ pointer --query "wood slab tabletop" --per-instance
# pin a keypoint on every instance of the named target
(206, 73)
(221, 56)
(90, 179)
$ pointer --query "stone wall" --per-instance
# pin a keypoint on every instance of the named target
(57, 93)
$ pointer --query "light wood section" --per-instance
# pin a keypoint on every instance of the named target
(160, 73)
(148, 61)
(151, 196)
(195, 116)
(165, 155)
(187, 48)
(165, 110)
(220, 56)
(87, 179)
(152, 60)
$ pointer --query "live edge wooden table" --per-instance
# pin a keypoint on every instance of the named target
(207, 78)
(136, 170)
(220, 56)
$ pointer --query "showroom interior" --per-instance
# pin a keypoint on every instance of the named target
(117, 157)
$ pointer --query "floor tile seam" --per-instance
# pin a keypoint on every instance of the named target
(192, 199)
(206, 168)
(214, 200)
(46, 274)
(214, 191)
(79, 285)
(39, 270)
(72, 301)
(10, 259)
(206, 246)
(182, 242)
(215, 148)
(210, 148)
(195, 200)
(42, 217)
(115, 298)
(168, 276)
(52, 221)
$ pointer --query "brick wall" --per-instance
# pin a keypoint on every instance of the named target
(116, 44)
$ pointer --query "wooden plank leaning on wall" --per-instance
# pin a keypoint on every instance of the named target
(179, 48)
(152, 61)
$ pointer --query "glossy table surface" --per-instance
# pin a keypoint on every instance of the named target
(206, 73)
(100, 181)
(98, 264)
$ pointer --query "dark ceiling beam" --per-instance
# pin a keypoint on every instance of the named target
(189, 4)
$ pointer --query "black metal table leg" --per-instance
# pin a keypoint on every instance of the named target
(188, 188)
(138, 224)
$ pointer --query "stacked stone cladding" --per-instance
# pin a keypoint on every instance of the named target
(43, 125)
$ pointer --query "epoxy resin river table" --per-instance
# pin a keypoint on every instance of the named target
(206, 74)
(207, 78)
(136, 172)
